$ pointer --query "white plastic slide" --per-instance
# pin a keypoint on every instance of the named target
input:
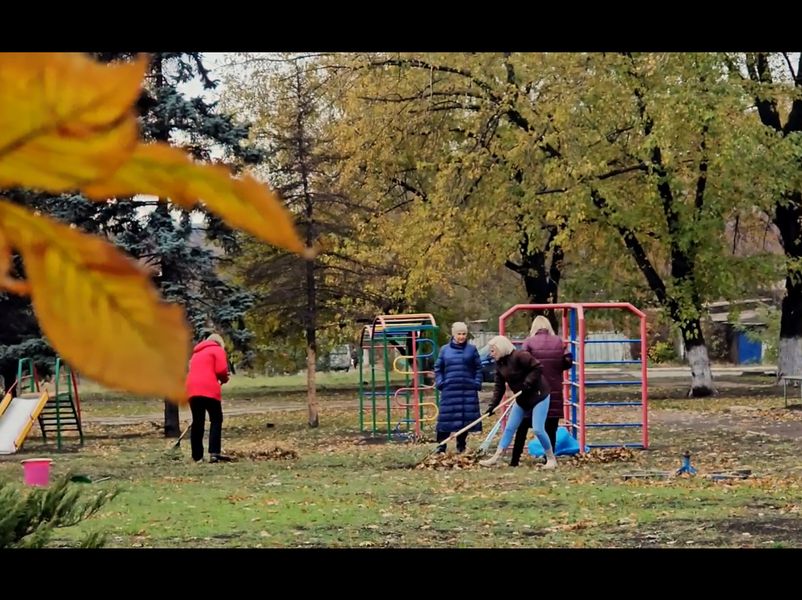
(17, 416)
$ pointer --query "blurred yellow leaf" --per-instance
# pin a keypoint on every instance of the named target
(65, 119)
(68, 122)
(98, 308)
(244, 203)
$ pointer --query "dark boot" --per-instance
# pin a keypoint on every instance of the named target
(219, 458)
(442, 436)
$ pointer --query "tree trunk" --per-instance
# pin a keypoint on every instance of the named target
(681, 268)
(790, 348)
(311, 338)
(311, 389)
(787, 216)
(311, 345)
(172, 427)
(540, 282)
(788, 219)
(696, 352)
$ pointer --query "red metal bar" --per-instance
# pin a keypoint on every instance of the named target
(644, 392)
(566, 376)
(581, 359)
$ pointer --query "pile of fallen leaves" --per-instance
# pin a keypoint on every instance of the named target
(574, 526)
(602, 455)
(123, 430)
(778, 414)
(448, 461)
(262, 451)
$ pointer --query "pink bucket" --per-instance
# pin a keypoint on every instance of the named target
(36, 471)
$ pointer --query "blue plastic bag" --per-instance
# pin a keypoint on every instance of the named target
(566, 445)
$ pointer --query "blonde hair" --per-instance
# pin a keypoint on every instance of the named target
(217, 339)
(502, 344)
(541, 322)
(459, 327)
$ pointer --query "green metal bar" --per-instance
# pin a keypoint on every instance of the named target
(361, 390)
(435, 354)
(418, 363)
(58, 405)
(373, 380)
(387, 387)
(20, 364)
(407, 396)
(72, 384)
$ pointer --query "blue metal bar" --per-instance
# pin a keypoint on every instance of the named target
(400, 329)
(575, 344)
(612, 362)
(419, 354)
(574, 375)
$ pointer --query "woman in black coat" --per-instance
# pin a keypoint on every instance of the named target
(523, 373)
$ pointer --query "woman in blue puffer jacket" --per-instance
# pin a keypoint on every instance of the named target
(458, 377)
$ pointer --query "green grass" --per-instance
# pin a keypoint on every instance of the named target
(239, 392)
(247, 383)
(343, 493)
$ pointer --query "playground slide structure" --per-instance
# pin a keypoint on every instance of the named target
(17, 416)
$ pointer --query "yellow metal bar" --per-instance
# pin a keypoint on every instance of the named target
(24, 433)
(39, 407)
(408, 317)
(436, 411)
(395, 367)
(6, 401)
(383, 321)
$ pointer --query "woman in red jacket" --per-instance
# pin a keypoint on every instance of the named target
(208, 368)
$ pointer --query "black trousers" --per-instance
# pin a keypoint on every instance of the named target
(552, 423)
(462, 440)
(200, 405)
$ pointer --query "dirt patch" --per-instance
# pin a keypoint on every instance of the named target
(777, 529)
(771, 422)
(732, 532)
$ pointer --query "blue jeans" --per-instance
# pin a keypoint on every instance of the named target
(515, 417)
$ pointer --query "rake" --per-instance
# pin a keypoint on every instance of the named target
(506, 404)
(485, 446)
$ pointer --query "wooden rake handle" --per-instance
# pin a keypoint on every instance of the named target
(470, 425)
